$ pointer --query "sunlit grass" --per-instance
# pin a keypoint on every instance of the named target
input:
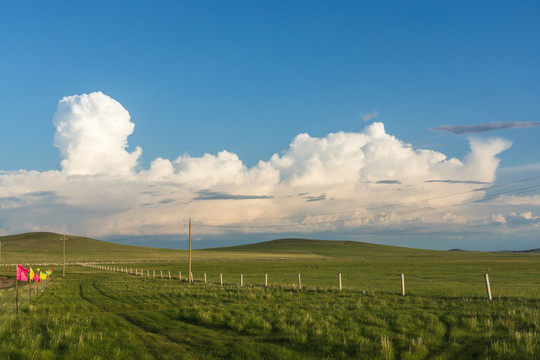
(91, 314)
(95, 314)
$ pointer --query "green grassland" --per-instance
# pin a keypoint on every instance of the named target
(47, 248)
(96, 314)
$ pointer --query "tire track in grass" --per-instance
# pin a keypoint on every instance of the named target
(178, 339)
(159, 346)
(197, 341)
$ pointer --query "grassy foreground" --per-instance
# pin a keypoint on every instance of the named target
(93, 314)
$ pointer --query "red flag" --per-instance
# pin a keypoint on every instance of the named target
(22, 273)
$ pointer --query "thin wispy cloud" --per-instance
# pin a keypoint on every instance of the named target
(458, 182)
(371, 115)
(481, 128)
(219, 195)
(315, 198)
(389, 182)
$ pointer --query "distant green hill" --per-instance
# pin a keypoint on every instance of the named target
(354, 250)
(328, 248)
(47, 247)
(43, 247)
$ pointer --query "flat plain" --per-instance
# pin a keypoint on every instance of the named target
(92, 313)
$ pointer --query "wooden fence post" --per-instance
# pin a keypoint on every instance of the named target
(299, 282)
(402, 285)
(180, 275)
(161, 273)
(221, 278)
(265, 280)
(488, 287)
(169, 274)
(205, 278)
(339, 278)
(241, 279)
(154, 271)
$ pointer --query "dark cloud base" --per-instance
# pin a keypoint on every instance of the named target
(475, 129)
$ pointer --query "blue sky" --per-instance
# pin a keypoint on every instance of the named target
(248, 77)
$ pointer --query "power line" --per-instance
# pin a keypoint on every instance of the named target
(289, 221)
(492, 187)
(402, 212)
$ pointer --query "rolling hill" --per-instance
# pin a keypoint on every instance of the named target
(46, 247)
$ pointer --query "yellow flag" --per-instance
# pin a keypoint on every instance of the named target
(31, 276)
(42, 275)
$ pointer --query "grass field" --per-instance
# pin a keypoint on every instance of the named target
(94, 314)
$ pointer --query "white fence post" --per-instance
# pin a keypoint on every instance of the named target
(488, 287)
(265, 280)
(221, 278)
(339, 277)
(402, 285)
(299, 282)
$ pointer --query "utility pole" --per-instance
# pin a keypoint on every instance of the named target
(190, 278)
(64, 257)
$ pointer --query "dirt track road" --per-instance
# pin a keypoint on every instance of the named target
(6, 282)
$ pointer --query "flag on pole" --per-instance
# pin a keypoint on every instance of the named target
(22, 273)
(42, 275)
(31, 275)
(36, 277)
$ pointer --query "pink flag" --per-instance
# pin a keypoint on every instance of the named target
(22, 273)
(36, 277)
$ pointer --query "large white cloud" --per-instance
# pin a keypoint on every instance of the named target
(91, 134)
(339, 180)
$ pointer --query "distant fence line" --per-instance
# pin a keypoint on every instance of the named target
(129, 271)
(92, 262)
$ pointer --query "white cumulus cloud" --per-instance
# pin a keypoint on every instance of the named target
(91, 134)
(344, 179)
